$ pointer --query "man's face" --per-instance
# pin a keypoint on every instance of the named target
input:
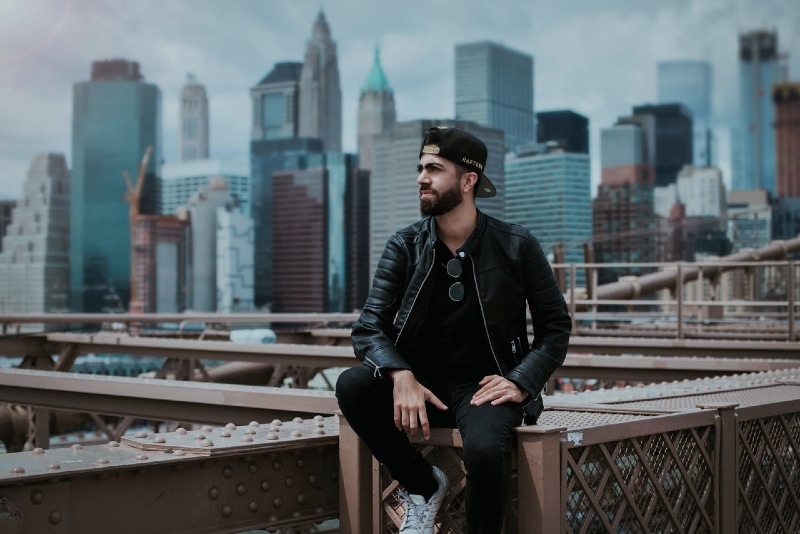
(439, 187)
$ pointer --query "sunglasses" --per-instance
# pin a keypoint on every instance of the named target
(454, 269)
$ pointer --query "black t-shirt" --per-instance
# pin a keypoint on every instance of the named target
(453, 342)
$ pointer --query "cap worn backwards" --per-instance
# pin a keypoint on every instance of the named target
(463, 148)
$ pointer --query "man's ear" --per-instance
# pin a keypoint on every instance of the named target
(471, 181)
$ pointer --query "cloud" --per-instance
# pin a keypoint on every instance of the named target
(597, 58)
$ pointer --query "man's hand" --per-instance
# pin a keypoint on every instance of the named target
(410, 412)
(498, 390)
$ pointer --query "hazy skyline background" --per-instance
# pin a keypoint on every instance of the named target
(598, 59)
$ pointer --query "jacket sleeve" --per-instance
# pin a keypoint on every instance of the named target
(551, 321)
(372, 334)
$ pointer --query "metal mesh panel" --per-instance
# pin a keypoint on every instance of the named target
(667, 392)
(656, 483)
(578, 418)
(769, 474)
(743, 397)
(452, 515)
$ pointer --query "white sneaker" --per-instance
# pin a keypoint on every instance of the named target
(420, 515)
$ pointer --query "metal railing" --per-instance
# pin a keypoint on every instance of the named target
(746, 299)
(714, 455)
(728, 463)
(706, 299)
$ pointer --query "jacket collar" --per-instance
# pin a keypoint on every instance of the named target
(473, 240)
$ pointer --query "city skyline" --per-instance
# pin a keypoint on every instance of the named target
(46, 46)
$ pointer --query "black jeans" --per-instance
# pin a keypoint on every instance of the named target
(486, 431)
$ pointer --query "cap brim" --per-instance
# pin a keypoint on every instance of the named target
(485, 187)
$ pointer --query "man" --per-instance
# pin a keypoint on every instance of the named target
(444, 341)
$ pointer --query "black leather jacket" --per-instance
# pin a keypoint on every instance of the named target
(511, 274)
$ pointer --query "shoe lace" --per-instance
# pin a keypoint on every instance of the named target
(415, 513)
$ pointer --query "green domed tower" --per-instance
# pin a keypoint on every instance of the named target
(376, 112)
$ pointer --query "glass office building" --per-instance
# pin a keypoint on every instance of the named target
(549, 192)
(274, 146)
(275, 103)
(266, 158)
(567, 129)
(668, 136)
(116, 116)
(759, 70)
(320, 228)
(494, 88)
(689, 83)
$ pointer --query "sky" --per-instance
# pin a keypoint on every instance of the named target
(597, 58)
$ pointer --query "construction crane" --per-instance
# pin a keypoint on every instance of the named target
(133, 196)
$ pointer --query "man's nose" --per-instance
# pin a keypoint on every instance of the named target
(423, 178)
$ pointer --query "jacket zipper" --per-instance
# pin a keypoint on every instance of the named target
(483, 318)
(416, 296)
(377, 372)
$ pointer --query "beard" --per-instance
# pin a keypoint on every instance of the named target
(442, 202)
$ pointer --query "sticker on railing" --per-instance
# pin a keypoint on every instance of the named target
(575, 437)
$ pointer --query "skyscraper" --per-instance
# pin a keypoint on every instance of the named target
(759, 70)
(320, 91)
(274, 146)
(193, 141)
(266, 158)
(690, 83)
(313, 265)
(202, 287)
(357, 238)
(670, 143)
(376, 112)
(623, 226)
(703, 193)
(116, 116)
(394, 192)
(34, 262)
(786, 97)
(276, 103)
(690, 215)
(494, 88)
(568, 129)
(235, 289)
(624, 154)
(557, 183)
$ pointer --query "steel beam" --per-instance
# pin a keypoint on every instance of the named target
(160, 400)
(184, 349)
(188, 318)
(228, 479)
(686, 347)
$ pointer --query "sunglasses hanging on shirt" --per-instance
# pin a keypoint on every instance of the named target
(456, 290)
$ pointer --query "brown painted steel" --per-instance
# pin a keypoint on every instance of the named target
(637, 459)
(161, 400)
(214, 479)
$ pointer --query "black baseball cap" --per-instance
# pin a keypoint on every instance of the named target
(463, 148)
